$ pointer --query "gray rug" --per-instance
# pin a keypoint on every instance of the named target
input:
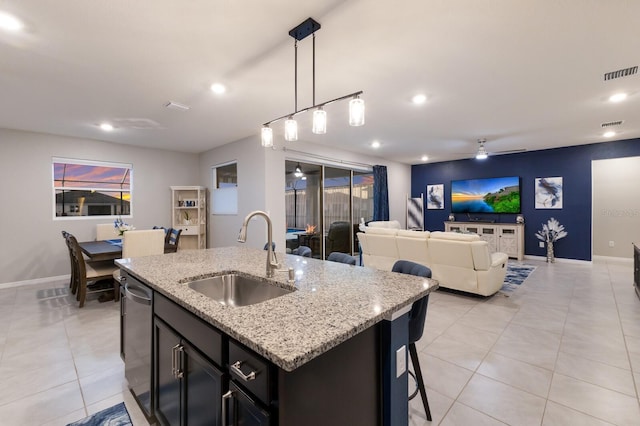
(517, 273)
(113, 416)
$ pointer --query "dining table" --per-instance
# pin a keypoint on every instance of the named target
(102, 249)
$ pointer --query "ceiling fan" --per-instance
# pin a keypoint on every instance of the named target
(482, 152)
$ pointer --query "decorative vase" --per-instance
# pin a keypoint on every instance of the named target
(551, 258)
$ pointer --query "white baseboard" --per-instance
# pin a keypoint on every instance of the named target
(559, 260)
(612, 259)
(35, 281)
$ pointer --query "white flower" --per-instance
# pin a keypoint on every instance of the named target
(552, 231)
(122, 227)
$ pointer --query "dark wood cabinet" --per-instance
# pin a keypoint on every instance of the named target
(188, 385)
(242, 409)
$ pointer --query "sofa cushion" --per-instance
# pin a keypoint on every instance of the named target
(455, 236)
(413, 234)
(393, 224)
(381, 231)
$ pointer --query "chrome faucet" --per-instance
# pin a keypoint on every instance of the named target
(272, 261)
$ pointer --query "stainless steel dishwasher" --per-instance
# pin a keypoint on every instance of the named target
(136, 314)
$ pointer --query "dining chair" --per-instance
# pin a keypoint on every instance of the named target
(84, 273)
(138, 243)
(341, 258)
(72, 280)
(172, 240)
(417, 317)
(106, 231)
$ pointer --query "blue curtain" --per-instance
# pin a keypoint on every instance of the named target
(380, 193)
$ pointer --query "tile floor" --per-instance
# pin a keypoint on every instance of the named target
(564, 349)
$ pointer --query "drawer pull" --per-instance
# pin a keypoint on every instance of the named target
(235, 367)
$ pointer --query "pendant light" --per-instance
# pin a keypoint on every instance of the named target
(356, 104)
(298, 171)
(267, 136)
(356, 112)
(291, 129)
(482, 152)
(319, 121)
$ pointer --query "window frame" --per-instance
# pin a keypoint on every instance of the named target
(229, 193)
(83, 162)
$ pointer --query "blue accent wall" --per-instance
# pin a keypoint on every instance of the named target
(573, 164)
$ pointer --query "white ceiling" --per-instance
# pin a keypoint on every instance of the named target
(524, 74)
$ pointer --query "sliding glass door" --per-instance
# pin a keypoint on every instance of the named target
(324, 205)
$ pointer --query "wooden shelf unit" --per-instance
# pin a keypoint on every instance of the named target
(189, 213)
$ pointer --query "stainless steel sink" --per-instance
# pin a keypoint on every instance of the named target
(237, 290)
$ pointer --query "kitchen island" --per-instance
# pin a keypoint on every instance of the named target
(338, 322)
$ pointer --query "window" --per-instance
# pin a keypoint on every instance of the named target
(84, 188)
(224, 197)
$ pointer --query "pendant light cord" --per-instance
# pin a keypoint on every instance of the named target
(295, 72)
(314, 69)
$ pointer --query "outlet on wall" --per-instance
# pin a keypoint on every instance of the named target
(612, 243)
(541, 244)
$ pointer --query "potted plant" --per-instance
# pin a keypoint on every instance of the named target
(551, 232)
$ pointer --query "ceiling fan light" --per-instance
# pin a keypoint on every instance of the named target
(319, 121)
(267, 136)
(356, 112)
(482, 154)
(291, 130)
(298, 171)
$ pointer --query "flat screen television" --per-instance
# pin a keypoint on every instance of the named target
(491, 195)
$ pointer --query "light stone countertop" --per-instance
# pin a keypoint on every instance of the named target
(332, 302)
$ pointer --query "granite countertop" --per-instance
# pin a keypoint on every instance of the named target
(332, 302)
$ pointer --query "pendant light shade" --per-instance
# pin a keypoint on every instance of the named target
(482, 152)
(356, 112)
(291, 129)
(319, 121)
(267, 136)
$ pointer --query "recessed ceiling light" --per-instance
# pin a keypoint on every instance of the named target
(419, 99)
(375, 144)
(106, 127)
(9, 22)
(424, 158)
(609, 134)
(618, 97)
(218, 88)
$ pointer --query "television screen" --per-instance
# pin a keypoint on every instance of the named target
(492, 195)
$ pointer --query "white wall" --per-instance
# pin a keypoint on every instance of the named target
(261, 183)
(616, 206)
(32, 245)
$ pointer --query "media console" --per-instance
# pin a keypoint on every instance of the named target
(502, 237)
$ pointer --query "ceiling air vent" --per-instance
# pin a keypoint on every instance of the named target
(621, 73)
(611, 124)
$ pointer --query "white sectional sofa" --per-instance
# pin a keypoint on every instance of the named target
(457, 261)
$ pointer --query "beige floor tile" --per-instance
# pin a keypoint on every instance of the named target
(66, 419)
(102, 385)
(456, 352)
(607, 351)
(527, 377)
(461, 415)
(90, 363)
(614, 378)
(502, 402)
(439, 405)
(442, 376)
(596, 401)
(43, 407)
(472, 336)
(559, 415)
(536, 347)
(25, 382)
(541, 317)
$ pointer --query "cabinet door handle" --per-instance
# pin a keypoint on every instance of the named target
(235, 367)
(176, 352)
(226, 396)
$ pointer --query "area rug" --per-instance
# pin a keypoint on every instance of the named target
(113, 416)
(517, 273)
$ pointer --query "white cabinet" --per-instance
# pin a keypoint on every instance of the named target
(502, 237)
(189, 213)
